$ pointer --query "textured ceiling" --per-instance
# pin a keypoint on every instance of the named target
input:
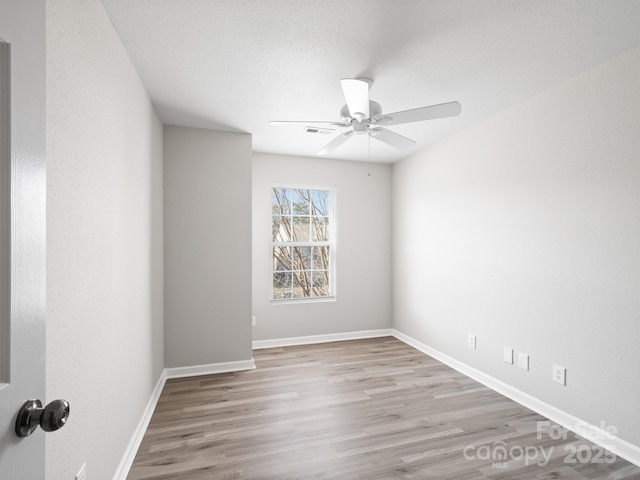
(237, 64)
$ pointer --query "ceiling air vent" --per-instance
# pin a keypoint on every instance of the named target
(324, 131)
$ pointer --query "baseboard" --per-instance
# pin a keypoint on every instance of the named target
(132, 448)
(330, 337)
(593, 433)
(209, 369)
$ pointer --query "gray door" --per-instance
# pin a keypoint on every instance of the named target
(22, 231)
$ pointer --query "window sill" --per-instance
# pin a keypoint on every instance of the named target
(294, 301)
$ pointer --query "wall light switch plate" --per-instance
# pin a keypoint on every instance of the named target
(523, 361)
(508, 355)
(472, 341)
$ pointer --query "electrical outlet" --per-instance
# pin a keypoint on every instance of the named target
(508, 355)
(253, 320)
(472, 341)
(523, 361)
(560, 375)
(82, 473)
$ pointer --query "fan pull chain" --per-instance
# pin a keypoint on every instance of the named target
(369, 172)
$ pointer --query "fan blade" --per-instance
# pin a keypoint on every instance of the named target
(336, 142)
(356, 92)
(431, 112)
(307, 122)
(392, 138)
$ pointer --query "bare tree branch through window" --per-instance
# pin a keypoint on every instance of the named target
(301, 225)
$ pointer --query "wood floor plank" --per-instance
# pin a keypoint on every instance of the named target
(373, 409)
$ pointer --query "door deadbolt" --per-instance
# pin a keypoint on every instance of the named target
(50, 418)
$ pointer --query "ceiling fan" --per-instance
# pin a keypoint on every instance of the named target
(362, 116)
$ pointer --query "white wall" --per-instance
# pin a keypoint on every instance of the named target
(524, 230)
(104, 246)
(363, 247)
(207, 205)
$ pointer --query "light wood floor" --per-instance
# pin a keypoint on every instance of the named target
(365, 409)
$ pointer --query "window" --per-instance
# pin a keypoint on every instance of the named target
(302, 243)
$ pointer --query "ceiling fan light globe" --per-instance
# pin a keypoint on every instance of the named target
(360, 127)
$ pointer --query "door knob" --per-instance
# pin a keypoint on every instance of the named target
(50, 418)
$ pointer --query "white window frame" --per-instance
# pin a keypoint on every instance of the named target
(331, 243)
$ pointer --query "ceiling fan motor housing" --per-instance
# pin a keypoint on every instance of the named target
(375, 110)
